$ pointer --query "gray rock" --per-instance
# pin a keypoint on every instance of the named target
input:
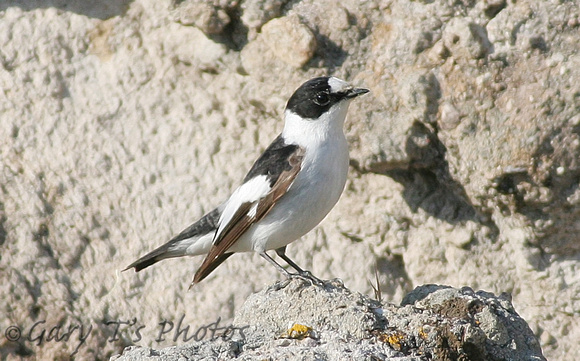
(334, 323)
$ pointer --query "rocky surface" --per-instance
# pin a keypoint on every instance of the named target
(299, 321)
(121, 122)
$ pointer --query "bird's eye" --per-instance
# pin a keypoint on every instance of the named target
(322, 99)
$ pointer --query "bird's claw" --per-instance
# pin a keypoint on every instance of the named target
(307, 276)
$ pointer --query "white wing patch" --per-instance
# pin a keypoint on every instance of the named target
(254, 210)
(249, 192)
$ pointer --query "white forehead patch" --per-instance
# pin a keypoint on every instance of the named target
(337, 85)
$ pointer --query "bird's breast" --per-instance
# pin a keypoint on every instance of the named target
(310, 198)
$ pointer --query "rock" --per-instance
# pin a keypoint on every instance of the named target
(184, 52)
(284, 44)
(435, 322)
(466, 39)
(207, 17)
(291, 41)
(256, 13)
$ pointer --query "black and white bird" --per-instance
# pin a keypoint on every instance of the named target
(287, 192)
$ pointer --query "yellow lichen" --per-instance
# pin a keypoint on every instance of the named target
(298, 331)
(394, 339)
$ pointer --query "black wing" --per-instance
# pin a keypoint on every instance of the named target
(281, 163)
(273, 161)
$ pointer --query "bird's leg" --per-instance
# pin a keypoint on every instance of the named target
(275, 264)
(305, 275)
(281, 252)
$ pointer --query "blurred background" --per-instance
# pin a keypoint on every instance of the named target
(122, 122)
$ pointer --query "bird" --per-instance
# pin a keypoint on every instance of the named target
(288, 190)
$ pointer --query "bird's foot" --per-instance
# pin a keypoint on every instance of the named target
(307, 276)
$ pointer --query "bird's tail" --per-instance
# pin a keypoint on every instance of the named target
(166, 251)
(194, 240)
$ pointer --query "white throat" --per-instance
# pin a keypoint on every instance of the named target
(312, 132)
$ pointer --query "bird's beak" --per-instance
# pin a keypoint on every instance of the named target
(355, 92)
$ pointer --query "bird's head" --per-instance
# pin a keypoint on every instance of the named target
(319, 96)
